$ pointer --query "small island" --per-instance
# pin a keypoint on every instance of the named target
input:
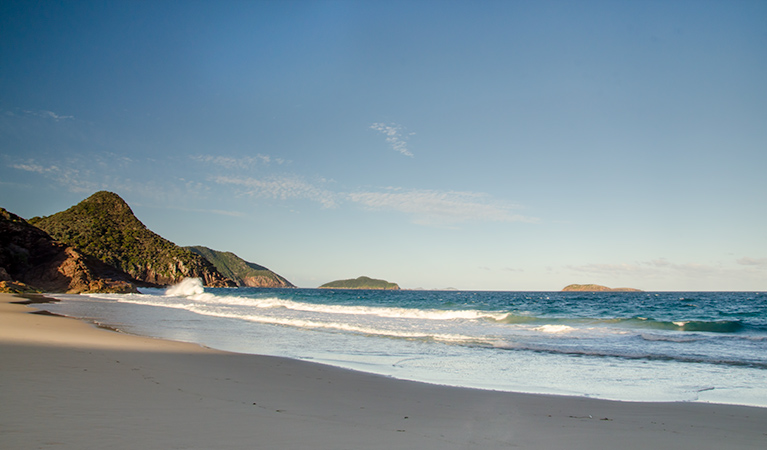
(596, 288)
(361, 283)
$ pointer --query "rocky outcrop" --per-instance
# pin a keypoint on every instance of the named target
(243, 273)
(17, 287)
(596, 288)
(103, 226)
(30, 256)
(263, 281)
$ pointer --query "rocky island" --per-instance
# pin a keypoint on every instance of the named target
(596, 288)
(361, 283)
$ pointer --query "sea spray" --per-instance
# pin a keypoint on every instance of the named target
(186, 288)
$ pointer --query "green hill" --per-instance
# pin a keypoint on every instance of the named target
(360, 283)
(103, 226)
(243, 273)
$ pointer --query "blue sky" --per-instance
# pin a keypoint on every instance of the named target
(511, 145)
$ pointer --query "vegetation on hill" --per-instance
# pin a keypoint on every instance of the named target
(596, 288)
(31, 260)
(104, 226)
(360, 283)
(243, 273)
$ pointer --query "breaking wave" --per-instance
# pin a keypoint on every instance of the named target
(717, 326)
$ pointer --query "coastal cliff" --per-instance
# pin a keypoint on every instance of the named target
(360, 283)
(596, 288)
(31, 260)
(104, 227)
(243, 273)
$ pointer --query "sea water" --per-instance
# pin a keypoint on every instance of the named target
(634, 346)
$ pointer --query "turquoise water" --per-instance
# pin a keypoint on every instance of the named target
(639, 346)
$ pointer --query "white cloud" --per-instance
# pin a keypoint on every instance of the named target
(394, 136)
(430, 207)
(55, 116)
(75, 180)
(282, 188)
(244, 162)
(426, 207)
(423, 206)
(49, 115)
(650, 269)
(696, 276)
(32, 167)
(90, 173)
(753, 262)
(219, 212)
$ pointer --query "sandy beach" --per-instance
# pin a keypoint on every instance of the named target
(68, 384)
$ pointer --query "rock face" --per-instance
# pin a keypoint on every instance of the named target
(596, 288)
(243, 273)
(103, 226)
(360, 283)
(30, 256)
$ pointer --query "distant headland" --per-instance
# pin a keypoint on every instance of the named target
(596, 288)
(361, 283)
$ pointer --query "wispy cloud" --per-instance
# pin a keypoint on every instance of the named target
(73, 179)
(36, 168)
(753, 262)
(243, 162)
(427, 207)
(649, 269)
(394, 136)
(94, 172)
(219, 212)
(431, 207)
(280, 187)
(745, 273)
(48, 115)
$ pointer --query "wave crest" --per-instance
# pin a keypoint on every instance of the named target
(186, 288)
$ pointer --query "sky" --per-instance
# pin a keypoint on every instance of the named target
(491, 145)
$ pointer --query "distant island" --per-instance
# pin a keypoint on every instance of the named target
(361, 283)
(596, 288)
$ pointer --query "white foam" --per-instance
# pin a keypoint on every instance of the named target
(554, 329)
(189, 291)
(187, 287)
(347, 327)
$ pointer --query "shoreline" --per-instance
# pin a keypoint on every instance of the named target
(68, 383)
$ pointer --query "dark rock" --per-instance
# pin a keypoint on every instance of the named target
(30, 256)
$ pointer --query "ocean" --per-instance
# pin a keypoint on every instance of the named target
(632, 346)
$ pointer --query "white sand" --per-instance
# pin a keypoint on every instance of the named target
(66, 384)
